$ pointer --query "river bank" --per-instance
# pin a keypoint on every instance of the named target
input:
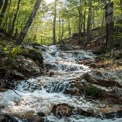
(76, 86)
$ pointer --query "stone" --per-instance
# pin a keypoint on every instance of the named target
(7, 118)
(75, 88)
(34, 55)
(86, 113)
(103, 78)
(28, 67)
(39, 117)
(17, 75)
(62, 110)
(93, 92)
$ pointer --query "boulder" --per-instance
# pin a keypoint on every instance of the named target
(28, 67)
(91, 91)
(103, 78)
(86, 113)
(7, 118)
(75, 88)
(34, 55)
(62, 110)
(114, 96)
(65, 47)
(39, 117)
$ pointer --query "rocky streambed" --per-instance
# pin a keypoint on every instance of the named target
(71, 89)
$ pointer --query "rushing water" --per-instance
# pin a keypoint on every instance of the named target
(41, 93)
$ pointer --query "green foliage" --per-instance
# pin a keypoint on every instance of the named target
(2, 43)
(92, 91)
(118, 26)
(67, 18)
(118, 32)
(11, 51)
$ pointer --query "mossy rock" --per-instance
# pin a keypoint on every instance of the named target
(33, 54)
(19, 68)
(92, 91)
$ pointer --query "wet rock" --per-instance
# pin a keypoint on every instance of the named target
(93, 65)
(92, 91)
(39, 117)
(103, 78)
(86, 113)
(113, 97)
(65, 47)
(20, 68)
(52, 73)
(17, 75)
(20, 63)
(98, 79)
(62, 110)
(49, 67)
(7, 118)
(98, 52)
(75, 88)
(85, 62)
(57, 87)
(33, 54)
(112, 115)
(100, 65)
(70, 88)
(28, 67)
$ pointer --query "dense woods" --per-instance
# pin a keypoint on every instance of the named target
(62, 19)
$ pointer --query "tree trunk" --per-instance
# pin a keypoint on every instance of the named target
(89, 25)
(59, 29)
(121, 10)
(121, 4)
(109, 24)
(4, 10)
(15, 17)
(4, 7)
(84, 27)
(54, 23)
(1, 3)
(79, 27)
(69, 27)
(62, 29)
(93, 21)
(5, 21)
(28, 23)
(16, 33)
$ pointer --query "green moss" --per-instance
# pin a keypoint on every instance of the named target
(2, 43)
(118, 25)
(92, 91)
(33, 54)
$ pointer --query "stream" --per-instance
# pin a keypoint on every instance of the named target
(40, 94)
